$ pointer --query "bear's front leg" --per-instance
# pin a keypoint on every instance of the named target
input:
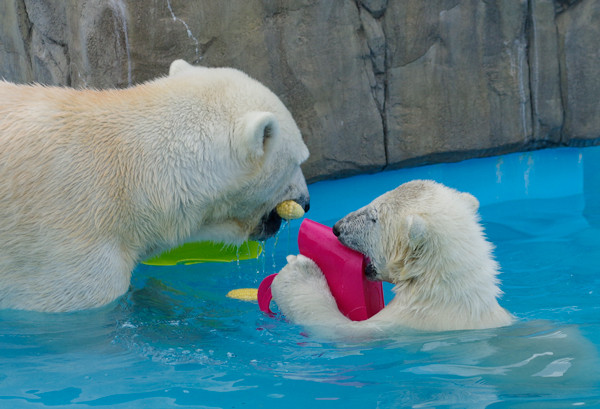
(302, 294)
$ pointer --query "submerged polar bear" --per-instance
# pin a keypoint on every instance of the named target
(92, 182)
(423, 237)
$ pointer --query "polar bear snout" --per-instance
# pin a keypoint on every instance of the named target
(336, 229)
(270, 223)
(304, 202)
(358, 229)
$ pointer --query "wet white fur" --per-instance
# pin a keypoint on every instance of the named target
(426, 239)
(92, 182)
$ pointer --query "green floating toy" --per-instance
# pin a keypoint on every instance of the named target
(206, 251)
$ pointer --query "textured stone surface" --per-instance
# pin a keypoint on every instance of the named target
(579, 51)
(458, 78)
(373, 84)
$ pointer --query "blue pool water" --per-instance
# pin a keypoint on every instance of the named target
(175, 340)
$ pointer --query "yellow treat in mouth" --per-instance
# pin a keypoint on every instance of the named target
(244, 294)
(289, 210)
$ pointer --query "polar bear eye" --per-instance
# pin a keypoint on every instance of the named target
(372, 216)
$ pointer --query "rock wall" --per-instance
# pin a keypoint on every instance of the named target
(373, 84)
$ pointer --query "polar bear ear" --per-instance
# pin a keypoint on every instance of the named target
(417, 229)
(256, 128)
(471, 201)
(178, 66)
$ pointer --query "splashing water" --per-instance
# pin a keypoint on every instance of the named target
(275, 242)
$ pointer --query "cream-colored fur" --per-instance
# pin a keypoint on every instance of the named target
(426, 239)
(92, 182)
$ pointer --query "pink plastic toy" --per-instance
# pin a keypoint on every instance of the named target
(356, 297)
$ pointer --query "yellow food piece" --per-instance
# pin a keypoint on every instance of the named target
(289, 210)
(244, 294)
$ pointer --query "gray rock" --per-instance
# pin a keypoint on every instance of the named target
(546, 102)
(15, 64)
(373, 84)
(458, 79)
(579, 52)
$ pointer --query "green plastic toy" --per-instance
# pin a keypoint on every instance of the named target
(206, 251)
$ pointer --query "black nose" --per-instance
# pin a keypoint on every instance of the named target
(303, 201)
(336, 229)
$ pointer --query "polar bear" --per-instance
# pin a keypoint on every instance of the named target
(423, 237)
(92, 182)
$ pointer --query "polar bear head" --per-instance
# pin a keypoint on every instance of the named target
(238, 151)
(421, 230)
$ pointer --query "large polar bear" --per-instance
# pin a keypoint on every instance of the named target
(92, 182)
(423, 237)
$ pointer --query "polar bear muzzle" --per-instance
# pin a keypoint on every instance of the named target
(270, 223)
(371, 271)
(268, 226)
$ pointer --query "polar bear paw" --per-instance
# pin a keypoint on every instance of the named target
(301, 291)
(299, 272)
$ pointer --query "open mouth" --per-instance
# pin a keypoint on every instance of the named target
(370, 271)
(268, 227)
(271, 222)
(369, 267)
